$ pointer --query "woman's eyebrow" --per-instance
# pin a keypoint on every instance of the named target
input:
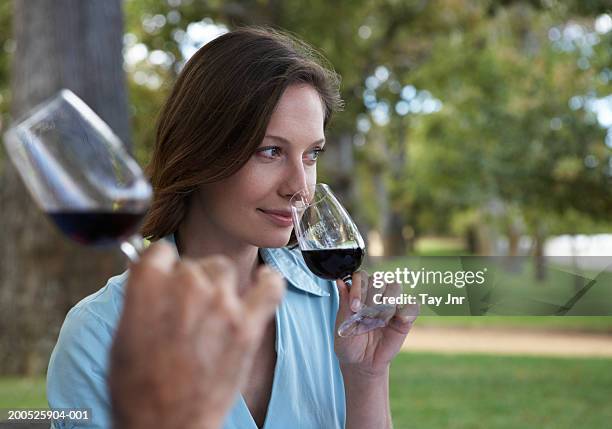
(285, 141)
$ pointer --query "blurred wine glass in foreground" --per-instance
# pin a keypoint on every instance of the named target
(80, 174)
(333, 248)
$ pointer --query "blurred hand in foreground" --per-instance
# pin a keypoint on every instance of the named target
(186, 340)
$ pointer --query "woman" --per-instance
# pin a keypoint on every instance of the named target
(238, 136)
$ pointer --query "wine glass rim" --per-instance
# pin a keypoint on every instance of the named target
(39, 111)
(293, 200)
(19, 139)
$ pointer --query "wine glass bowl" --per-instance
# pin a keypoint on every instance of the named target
(333, 248)
(79, 173)
(330, 242)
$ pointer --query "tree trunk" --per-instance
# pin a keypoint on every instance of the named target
(471, 240)
(514, 236)
(485, 237)
(60, 44)
(381, 193)
(538, 254)
(396, 241)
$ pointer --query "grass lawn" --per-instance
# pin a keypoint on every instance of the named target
(435, 246)
(464, 391)
(22, 393)
(475, 391)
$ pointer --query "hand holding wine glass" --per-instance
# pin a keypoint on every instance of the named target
(181, 354)
(384, 327)
(79, 173)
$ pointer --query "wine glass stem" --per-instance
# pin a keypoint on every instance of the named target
(348, 281)
(132, 247)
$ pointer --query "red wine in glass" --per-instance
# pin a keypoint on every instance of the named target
(97, 228)
(332, 264)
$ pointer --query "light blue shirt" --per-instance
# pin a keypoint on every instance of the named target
(307, 391)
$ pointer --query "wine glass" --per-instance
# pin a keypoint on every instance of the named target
(79, 173)
(333, 248)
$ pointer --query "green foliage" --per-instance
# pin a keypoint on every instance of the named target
(508, 131)
(513, 127)
(505, 133)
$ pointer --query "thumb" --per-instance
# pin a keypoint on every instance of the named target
(344, 310)
(261, 300)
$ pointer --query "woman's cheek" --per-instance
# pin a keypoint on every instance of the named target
(263, 176)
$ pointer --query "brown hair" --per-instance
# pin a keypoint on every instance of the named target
(218, 112)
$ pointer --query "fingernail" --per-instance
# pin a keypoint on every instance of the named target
(355, 305)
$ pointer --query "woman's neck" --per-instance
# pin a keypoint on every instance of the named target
(197, 239)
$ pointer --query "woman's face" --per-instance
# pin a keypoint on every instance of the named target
(253, 204)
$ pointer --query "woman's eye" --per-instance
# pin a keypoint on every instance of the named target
(313, 155)
(271, 152)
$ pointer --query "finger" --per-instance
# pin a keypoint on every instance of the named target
(190, 281)
(392, 290)
(221, 272)
(150, 273)
(408, 312)
(402, 321)
(404, 318)
(187, 296)
(159, 256)
(223, 283)
(398, 328)
(355, 290)
(261, 300)
(370, 292)
(344, 310)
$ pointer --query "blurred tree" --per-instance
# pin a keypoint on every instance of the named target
(477, 58)
(61, 44)
(515, 129)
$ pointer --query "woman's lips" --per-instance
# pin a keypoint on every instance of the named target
(278, 217)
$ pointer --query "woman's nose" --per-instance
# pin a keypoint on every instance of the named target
(297, 179)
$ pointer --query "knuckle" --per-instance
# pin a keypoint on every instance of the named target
(220, 263)
(218, 267)
(185, 271)
(226, 302)
(189, 279)
(155, 256)
(143, 268)
(244, 336)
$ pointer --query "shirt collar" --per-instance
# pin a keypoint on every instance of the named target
(285, 262)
